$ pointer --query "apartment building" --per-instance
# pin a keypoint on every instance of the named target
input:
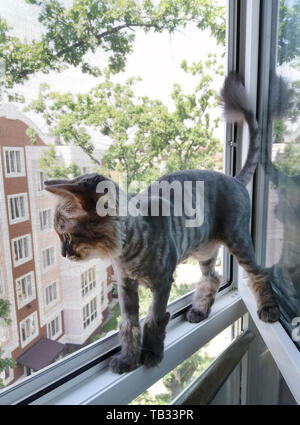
(53, 302)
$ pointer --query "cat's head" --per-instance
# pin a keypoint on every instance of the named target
(82, 232)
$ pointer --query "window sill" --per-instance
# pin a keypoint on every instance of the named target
(279, 343)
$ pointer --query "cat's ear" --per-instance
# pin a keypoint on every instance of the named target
(71, 193)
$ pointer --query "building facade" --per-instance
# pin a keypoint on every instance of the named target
(53, 302)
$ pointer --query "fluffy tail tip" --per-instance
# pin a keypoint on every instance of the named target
(233, 98)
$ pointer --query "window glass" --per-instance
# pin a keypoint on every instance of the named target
(282, 162)
(137, 103)
(21, 249)
(45, 220)
(13, 161)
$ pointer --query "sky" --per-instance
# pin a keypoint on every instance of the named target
(156, 58)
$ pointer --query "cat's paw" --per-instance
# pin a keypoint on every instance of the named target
(195, 316)
(151, 358)
(269, 313)
(121, 364)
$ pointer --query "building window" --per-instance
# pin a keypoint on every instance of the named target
(17, 208)
(28, 329)
(48, 257)
(45, 220)
(25, 289)
(89, 312)
(88, 280)
(40, 180)
(1, 283)
(21, 249)
(54, 328)
(51, 293)
(14, 162)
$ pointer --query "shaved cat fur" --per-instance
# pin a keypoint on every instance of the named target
(147, 249)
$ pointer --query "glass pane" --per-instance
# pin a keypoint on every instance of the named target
(283, 165)
(96, 115)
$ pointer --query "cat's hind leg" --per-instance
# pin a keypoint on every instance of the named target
(240, 245)
(206, 289)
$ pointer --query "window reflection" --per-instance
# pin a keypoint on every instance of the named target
(283, 165)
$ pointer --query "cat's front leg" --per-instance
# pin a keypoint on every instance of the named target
(130, 332)
(154, 329)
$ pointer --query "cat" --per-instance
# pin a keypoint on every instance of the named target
(147, 249)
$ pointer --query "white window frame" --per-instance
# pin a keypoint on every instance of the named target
(50, 216)
(50, 266)
(104, 386)
(26, 214)
(33, 294)
(10, 375)
(94, 383)
(2, 286)
(49, 290)
(22, 173)
(4, 331)
(25, 259)
(90, 312)
(277, 340)
(58, 332)
(33, 317)
(103, 294)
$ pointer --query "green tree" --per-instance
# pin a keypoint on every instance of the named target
(289, 163)
(144, 133)
(288, 31)
(4, 321)
(54, 169)
(70, 35)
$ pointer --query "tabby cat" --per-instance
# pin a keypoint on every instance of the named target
(147, 249)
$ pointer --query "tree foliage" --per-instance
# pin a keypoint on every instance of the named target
(288, 31)
(4, 321)
(72, 35)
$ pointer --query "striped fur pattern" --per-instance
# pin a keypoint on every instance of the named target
(146, 249)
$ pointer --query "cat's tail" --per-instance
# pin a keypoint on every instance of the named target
(237, 108)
